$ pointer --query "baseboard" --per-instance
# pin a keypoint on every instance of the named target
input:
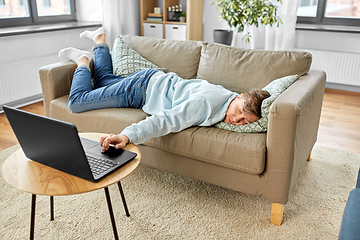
(23, 102)
(343, 87)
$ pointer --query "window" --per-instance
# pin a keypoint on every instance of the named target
(29, 12)
(336, 12)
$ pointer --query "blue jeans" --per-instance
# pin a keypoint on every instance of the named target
(110, 91)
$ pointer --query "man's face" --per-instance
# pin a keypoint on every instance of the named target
(235, 114)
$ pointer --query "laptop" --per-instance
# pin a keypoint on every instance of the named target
(57, 144)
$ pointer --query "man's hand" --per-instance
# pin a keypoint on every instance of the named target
(119, 141)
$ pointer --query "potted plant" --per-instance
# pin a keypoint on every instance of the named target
(182, 17)
(241, 13)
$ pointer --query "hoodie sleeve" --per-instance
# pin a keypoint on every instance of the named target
(189, 113)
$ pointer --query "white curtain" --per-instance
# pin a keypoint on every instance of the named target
(121, 17)
(272, 37)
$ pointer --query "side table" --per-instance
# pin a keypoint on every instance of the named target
(37, 179)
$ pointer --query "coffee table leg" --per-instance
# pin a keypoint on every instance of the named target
(51, 208)
(111, 212)
(123, 199)
(32, 220)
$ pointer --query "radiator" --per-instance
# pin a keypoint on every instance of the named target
(20, 82)
(341, 68)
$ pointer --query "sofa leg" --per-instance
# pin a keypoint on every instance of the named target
(277, 212)
(309, 158)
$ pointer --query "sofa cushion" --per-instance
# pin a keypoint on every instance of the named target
(126, 61)
(275, 88)
(240, 70)
(239, 151)
(181, 57)
(109, 120)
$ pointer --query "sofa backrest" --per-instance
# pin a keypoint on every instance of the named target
(181, 57)
(236, 69)
(240, 70)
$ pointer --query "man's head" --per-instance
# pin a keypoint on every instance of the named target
(246, 108)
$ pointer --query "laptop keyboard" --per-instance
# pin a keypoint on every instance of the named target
(100, 165)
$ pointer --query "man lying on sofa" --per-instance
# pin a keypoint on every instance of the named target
(173, 103)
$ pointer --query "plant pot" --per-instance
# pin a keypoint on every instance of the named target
(223, 36)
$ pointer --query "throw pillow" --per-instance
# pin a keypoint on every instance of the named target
(275, 88)
(127, 61)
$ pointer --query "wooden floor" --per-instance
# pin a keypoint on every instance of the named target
(340, 121)
(339, 124)
(7, 137)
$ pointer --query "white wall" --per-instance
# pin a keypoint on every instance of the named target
(23, 55)
(38, 45)
(328, 41)
(336, 53)
(211, 21)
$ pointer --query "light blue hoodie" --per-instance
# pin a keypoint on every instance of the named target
(175, 104)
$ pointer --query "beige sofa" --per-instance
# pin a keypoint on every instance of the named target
(261, 164)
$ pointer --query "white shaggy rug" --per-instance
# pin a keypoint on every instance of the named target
(163, 205)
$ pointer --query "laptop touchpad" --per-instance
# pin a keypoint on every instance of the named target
(111, 153)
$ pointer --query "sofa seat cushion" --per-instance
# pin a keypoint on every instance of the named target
(239, 151)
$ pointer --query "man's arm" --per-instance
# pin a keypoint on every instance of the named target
(189, 113)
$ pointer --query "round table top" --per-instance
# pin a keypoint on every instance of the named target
(35, 178)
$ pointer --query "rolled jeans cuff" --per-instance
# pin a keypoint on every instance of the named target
(84, 66)
(99, 45)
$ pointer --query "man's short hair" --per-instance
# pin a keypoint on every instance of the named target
(253, 99)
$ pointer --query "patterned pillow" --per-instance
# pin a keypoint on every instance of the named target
(275, 88)
(127, 61)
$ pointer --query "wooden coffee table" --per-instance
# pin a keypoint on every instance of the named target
(38, 179)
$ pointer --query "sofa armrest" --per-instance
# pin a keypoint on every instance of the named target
(292, 132)
(56, 81)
